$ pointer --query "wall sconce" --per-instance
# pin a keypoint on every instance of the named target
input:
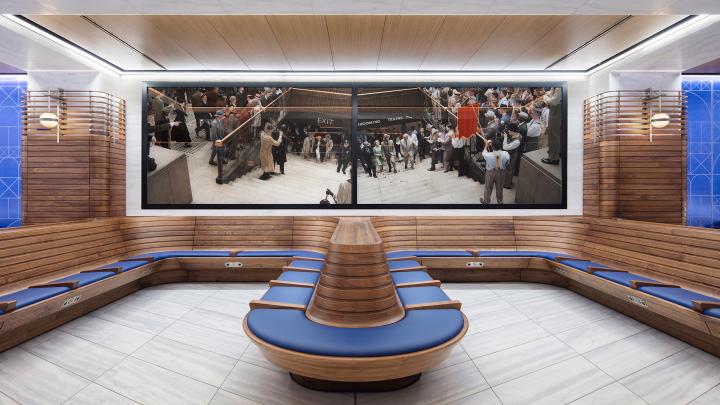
(49, 120)
(660, 120)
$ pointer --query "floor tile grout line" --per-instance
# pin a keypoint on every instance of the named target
(490, 387)
(697, 397)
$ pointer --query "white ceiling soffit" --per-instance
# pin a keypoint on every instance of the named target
(380, 7)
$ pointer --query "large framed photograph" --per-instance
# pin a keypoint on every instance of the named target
(257, 145)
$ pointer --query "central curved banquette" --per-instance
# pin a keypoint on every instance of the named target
(664, 275)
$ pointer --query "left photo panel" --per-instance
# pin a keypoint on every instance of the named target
(248, 146)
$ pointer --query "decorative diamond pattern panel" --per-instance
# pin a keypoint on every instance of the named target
(10, 156)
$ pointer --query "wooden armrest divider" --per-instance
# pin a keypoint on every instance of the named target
(593, 269)
(69, 284)
(474, 252)
(116, 270)
(416, 268)
(291, 268)
(260, 304)
(702, 306)
(428, 283)
(394, 259)
(148, 259)
(282, 283)
(452, 304)
(636, 284)
(314, 259)
(563, 258)
(8, 306)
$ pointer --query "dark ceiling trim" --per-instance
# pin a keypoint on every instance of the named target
(593, 39)
(103, 29)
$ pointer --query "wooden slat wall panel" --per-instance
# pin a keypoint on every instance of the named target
(397, 233)
(560, 234)
(146, 234)
(312, 232)
(626, 175)
(465, 233)
(243, 233)
(82, 175)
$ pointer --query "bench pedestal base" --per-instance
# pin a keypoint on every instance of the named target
(346, 386)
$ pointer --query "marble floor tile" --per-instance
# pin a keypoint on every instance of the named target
(228, 398)
(190, 361)
(711, 397)
(134, 318)
(182, 297)
(149, 384)
(227, 344)
(206, 289)
(215, 320)
(509, 364)
(274, 388)
(624, 357)
(109, 334)
(495, 340)
(484, 307)
(253, 356)
(557, 384)
(95, 394)
(75, 354)
(239, 296)
(677, 379)
(28, 379)
(613, 394)
(438, 387)
(493, 320)
(457, 356)
(6, 400)
(155, 306)
(543, 306)
(561, 321)
(585, 338)
(486, 397)
(237, 309)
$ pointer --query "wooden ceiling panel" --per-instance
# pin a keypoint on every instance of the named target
(355, 41)
(140, 33)
(565, 37)
(510, 40)
(253, 40)
(199, 37)
(406, 40)
(632, 31)
(304, 40)
(457, 41)
(79, 30)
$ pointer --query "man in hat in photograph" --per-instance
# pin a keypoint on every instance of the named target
(217, 132)
(511, 145)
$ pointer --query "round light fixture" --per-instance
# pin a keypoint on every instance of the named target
(48, 120)
(660, 120)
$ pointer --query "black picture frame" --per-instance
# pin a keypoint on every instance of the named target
(354, 86)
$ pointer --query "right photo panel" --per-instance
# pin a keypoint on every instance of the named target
(499, 145)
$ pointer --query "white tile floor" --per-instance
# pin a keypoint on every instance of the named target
(528, 344)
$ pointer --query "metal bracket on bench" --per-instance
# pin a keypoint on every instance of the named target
(233, 264)
(475, 264)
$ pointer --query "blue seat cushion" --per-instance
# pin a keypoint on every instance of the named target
(419, 330)
(677, 295)
(86, 278)
(623, 278)
(288, 295)
(125, 266)
(280, 253)
(299, 277)
(307, 264)
(428, 253)
(421, 295)
(582, 264)
(184, 253)
(713, 312)
(30, 296)
(402, 264)
(401, 277)
(401, 253)
(521, 253)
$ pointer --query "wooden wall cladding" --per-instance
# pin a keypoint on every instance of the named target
(77, 172)
(397, 233)
(312, 232)
(244, 232)
(465, 233)
(632, 170)
(145, 234)
(564, 234)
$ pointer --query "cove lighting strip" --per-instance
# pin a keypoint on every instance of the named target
(661, 38)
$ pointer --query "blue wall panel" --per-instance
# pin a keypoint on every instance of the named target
(703, 152)
(11, 91)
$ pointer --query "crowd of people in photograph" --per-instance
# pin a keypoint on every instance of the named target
(494, 125)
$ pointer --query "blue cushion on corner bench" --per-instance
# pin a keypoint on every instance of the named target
(678, 295)
(30, 296)
(401, 277)
(288, 295)
(184, 253)
(582, 264)
(421, 295)
(428, 253)
(307, 264)
(281, 253)
(713, 312)
(521, 253)
(86, 278)
(419, 330)
(299, 277)
(402, 264)
(623, 278)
